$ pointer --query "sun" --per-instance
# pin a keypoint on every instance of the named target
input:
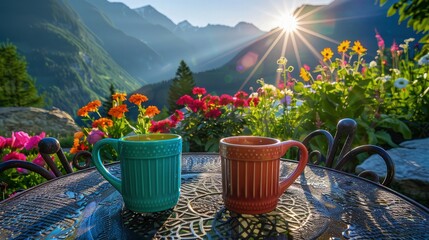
(289, 23)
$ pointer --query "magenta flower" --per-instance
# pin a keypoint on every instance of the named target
(95, 135)
(380, 40)
(40, 161)
(34, 141)
(3, 142)
(14, 156)
(19, 139)
(199, 91)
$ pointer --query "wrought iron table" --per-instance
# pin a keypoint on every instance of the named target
(322, 203)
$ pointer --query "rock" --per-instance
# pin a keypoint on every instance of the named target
(411, 161)
(36, 120)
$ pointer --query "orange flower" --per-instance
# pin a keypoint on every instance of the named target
(344, 45)
(137, 98)
(83, 111)
(304, 74)
(102, 123)
(118, 111)
(119, 96)
(358, 48)
(93, 106)
(78, 135)
(151, 111)
(327, 54)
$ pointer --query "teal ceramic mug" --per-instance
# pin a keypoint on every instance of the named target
(150, 170)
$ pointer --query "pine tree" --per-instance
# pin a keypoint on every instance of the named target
(17, 87)
(182, 84)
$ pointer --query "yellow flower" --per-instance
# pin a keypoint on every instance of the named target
(327, 54)
(358, 48)
(304, 75)
(344, 45)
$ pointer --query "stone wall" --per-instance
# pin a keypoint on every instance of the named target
(35, 120)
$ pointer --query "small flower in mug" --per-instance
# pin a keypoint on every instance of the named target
(372, 64)
(401, 83)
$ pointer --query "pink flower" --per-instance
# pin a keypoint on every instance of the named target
(281, 85)
(14, 156)
(40, 161)
(306, 67)
(34, 141)
(95, 135)
(394, 48)
(380, 40)
(3, 142)
(19, 139)
(185, 100)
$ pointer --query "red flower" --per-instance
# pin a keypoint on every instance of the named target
(241, 95)
(240, 102)
(253, 101)
(185, 100)
(162, 126)
(198, 105)
(225, 99)
(214, 113)
(199, 91)
(177, 117)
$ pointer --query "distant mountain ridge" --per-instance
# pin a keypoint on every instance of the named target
(76, 48)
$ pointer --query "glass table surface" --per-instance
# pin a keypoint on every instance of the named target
(321, 204)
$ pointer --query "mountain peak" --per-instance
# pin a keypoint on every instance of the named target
(185, 25)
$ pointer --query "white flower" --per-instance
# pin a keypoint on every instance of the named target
(400, 83)
(424, 60)
(395, 71)
(409, 40)
(373, 64)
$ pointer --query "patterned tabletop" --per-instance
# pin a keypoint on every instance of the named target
(322, 203)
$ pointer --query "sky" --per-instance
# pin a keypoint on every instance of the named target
(264, 14)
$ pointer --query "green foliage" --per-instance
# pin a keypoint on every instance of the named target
(182, 84)
(416, 13)
(17, 88)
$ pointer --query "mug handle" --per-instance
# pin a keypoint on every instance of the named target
(116, 182)
(301, 164)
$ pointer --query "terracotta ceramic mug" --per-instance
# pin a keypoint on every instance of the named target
(251, 169)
